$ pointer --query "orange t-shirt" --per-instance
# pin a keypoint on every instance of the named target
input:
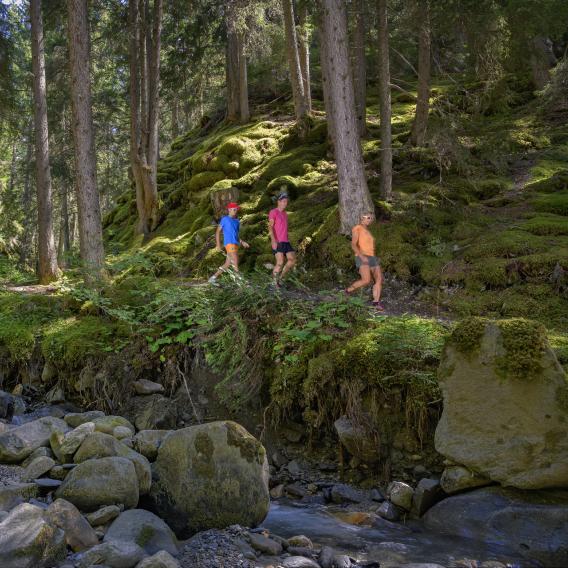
(365, 241)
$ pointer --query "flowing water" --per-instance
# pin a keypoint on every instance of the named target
(387, 543)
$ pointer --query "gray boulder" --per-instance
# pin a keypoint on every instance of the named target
(356, 440)
(145, 529)
(38, 453)
(29, 540)
(427, 493)
(107, 424)
(456, 478)
(99, 445)
(75, 419)
(147, 442)
(38, 467)
(112, 554)
(18, 443)
(98, 482)
(161, 559)
(75, 438)
(211, 476)
(79, 534)
(143, 386)
(153, 412)
(400, 494)
(15, 493)
(264, 544)
(103, 515)
(503, 413)
(534, 523)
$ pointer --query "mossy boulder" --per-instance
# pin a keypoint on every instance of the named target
(107, 424)
(211, 476)
(203, 180)
(99, 482)
(29, 540)
(503, 414)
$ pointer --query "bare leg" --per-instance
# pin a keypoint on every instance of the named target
(365, 279)
(232, 259)
(290, 262)
(378, 285)
(279, 264)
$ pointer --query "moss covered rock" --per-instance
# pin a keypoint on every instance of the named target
(503, 415)
(211, 475)
(203, 180)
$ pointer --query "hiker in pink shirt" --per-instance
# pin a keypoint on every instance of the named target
(281, 247)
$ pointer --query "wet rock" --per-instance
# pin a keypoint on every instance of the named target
(74, 439)
(75, 419)
(377, 495)
(10, 405)
(99, 445)
(356, 440)
(342, 493)
(295, 491)
(145, 529)
(104, 481)
(161, 559)
(299, 562)
(342, 561)
(38, 467)
(107, 424)
(147, 442)
(78, 532)
(534, 523)
(300, 540)
(294, 468)
(326, 557)
(293, 432)
(457, 478)
(264, 544)
(400, 494)
(16, 493)
(46, 485)
(213, 474)
(279, 459)
(428, 492)
(18, 443)
(388, 511)
(103, 515)
(301, 551)
(28, 540)
(112, 554)
(143, 386)
(510, 429)
(277, 492)
(154, 412)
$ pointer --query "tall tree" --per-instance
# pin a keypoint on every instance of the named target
(300, 104)
(304, 51)
(47, 267)
(354, 196)
(384, 100)
(236, 65)
(360, 66)
(89, 210)
(420, 124)
(144, 53)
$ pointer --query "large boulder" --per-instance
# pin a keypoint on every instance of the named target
(18, 443)
(505, 414)
(357, 440)
(99, 445)
(98, 482)
(145, 529)
(535, 523)
(147, 442)
(79, 534)
(211, 476)
(29, 540)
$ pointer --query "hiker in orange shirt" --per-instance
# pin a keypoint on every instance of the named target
(363, 245)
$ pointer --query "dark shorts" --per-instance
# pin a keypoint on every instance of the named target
(372, 261)
(283, 248)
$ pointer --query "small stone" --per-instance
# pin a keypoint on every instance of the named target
(55, 396)
(295, 490)
(342, 493)
(143, 386)
(326, 557)
(147, 442)
(299, 562)
(458, 478)
(277, 492)
(161, 559)
(103, 516)
(58, 472)
(40, 452)
(400, 494)
(37, 468)
(16, 493)
(264, 544)
(300, 540)
(45, 484)
(377, 495)
(388, 511)
(428, 493)
(115, 554)
(79, 534)
(75, 438)
(75, 419)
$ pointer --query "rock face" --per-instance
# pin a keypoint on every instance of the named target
(535, 523)
(98, 482)
(356, 440)
(18, 443)
(28, 540)
(145, 529)
(211, 475)
(504, 416)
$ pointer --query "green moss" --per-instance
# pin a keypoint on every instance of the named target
(466, 336)
(546, 224)
(250, 448)
(203, 180)
(145, 535)
(556, 203)
(288, 184)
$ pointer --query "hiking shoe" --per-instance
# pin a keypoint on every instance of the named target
(212, 280)
(378, 306)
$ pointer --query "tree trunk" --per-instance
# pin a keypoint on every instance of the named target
(47, 266)
(244, 111)
(354, 196)
(232, 71)
(328, 102)
(542, 60)
(175, 117)
(360, 67)
(64, 245)
(300, 105)
(88, 206)
(420, 124)
(27, 203)
(384, 101)
(304, 52)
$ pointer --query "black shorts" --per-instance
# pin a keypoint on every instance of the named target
(372, 261)
(283, 248)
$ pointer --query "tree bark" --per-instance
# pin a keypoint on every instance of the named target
(328, 102)
(384, 101)
(88, 205)
(27, 203)
(64, 245)
(298, 93)
(420, 124)
(232, 66)
(48, 270)
(354, 196)
(304, 52)
(360, 67)
(244, 111)
(542, 60)
(175, 117)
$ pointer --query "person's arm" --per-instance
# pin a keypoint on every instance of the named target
(218, 236)
(271, 232)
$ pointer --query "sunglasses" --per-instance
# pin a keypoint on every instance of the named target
(367, 217)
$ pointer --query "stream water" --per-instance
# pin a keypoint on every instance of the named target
(387, 543)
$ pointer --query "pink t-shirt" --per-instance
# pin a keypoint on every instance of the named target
(280, 225)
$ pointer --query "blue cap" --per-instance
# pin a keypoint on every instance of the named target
(282, 195)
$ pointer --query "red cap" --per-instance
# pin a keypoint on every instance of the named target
(232, 205)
